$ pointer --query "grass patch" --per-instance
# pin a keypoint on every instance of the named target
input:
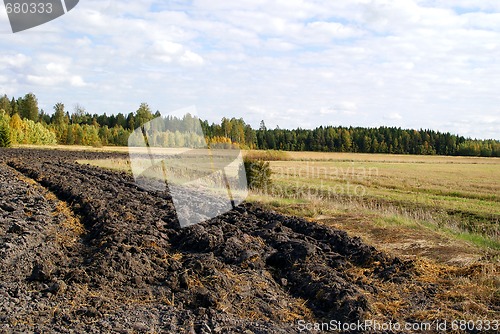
(478, 240)
(473, 238)
(269, 155)
(121, 165)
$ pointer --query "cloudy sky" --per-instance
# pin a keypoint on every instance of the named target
(294, 63)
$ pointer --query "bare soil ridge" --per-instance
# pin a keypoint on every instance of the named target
(132, 269)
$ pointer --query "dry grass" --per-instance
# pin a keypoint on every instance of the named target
(465, 277)
(455, 293)
(122, 165)
(391, 158)
(268, 155)
(70, 227)
(244, 294)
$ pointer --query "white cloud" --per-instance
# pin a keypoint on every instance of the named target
(77, 81)
(189, 58)
(411, 63)
(17, 60)
(52, 70)
(395, 116)
(332, 30)
(170, 52)
(341, 108)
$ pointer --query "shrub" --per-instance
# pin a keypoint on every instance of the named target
(4, 136)
(37, 134)
(258, 173)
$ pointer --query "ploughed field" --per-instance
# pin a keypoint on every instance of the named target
(85, 249)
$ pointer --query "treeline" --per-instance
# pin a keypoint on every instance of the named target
(21, 122)
(348, 139)
(374, 140)
(75, 128)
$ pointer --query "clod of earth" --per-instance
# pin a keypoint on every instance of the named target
(133, 269)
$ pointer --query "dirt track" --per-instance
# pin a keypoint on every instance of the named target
(85, 249)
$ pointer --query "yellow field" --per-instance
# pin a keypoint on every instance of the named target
(334, 156)
(457, 195)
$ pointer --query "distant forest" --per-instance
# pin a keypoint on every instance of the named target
(21, 122)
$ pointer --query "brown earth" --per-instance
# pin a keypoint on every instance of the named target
(84, 249)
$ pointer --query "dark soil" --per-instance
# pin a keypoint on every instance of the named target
(132, 269)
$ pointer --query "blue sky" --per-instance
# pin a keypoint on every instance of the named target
(409, 63)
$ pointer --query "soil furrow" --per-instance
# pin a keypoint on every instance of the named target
(137, 270)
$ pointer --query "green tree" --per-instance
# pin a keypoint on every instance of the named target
(59, 114)
(4, 136)
(131, 122)
(120, 121)
(5, 105)
(250, 137)
(60, 121)
(70, 137)
(29, 107)
(143, 115)
(226, 127)
(14, 106)
(4, 130)
(346, 141)
(79, 135)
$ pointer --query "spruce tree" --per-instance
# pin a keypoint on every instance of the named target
(4, 136)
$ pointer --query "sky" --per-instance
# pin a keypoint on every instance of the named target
(431, 64)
